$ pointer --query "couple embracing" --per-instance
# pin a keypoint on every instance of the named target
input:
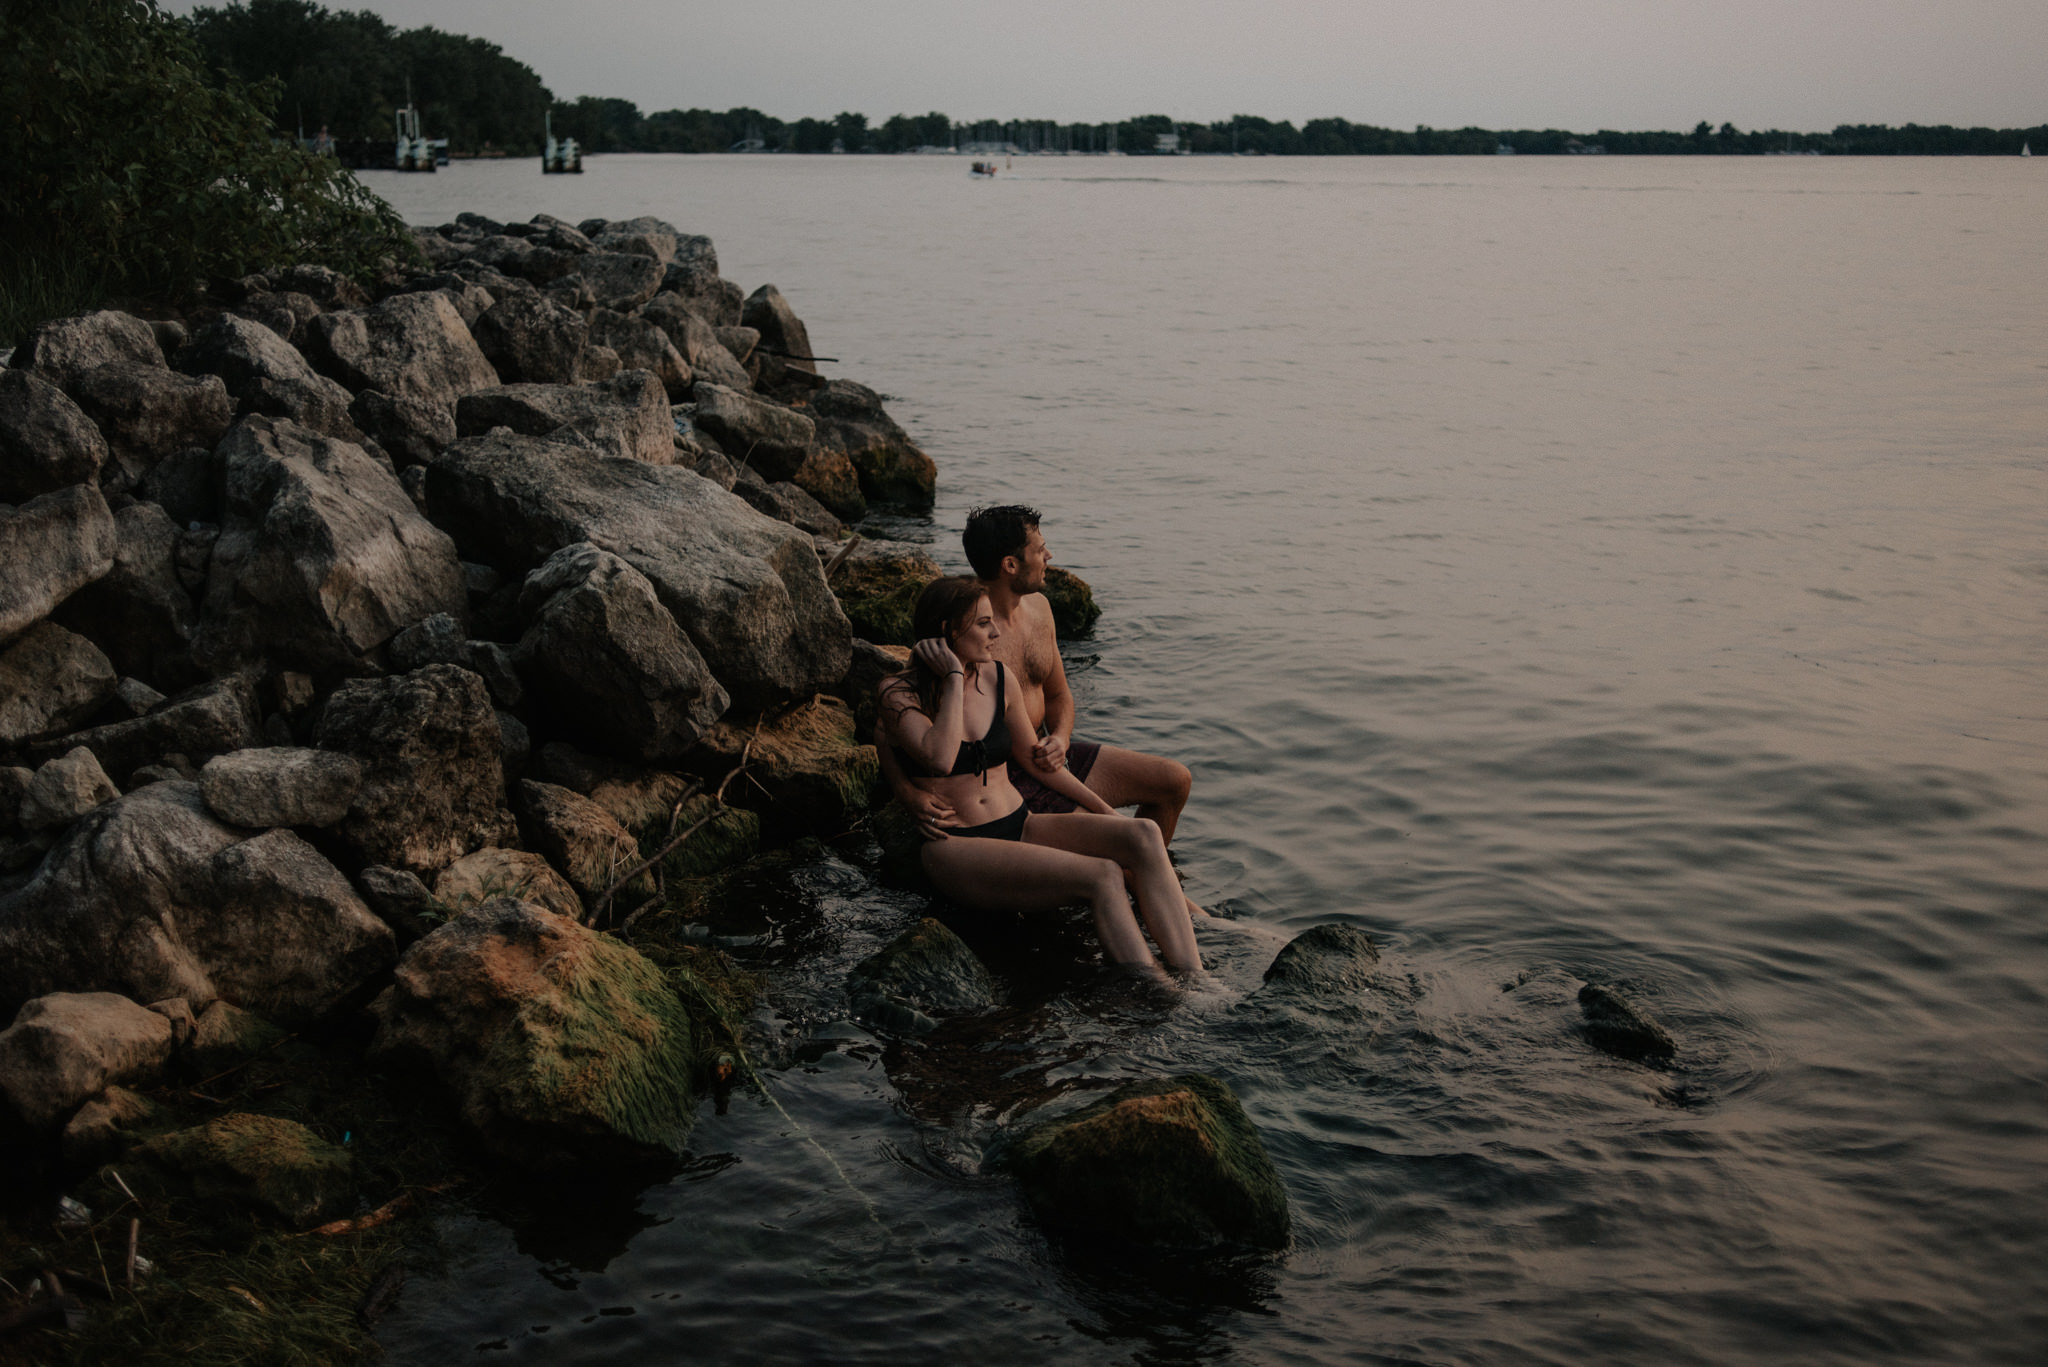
(976, 738)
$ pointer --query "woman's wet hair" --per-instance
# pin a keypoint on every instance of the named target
(941, 610)
(993, 533)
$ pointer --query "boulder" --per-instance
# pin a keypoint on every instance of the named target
(598, 363)
(1074, 612)
(582, 840)
(65, 789)
(601, 651)
(850, 420)
(531, 338)
(46, 442)
(100, 1129)
(1334, 961)
(400, 900)
(558, 1046)
(410, 346)
(706, 356)
(828, 479)
(322, 557)
(759, 434)
(621, 281)
(183, 485)
(274, 314)
(803, 512)
(785, 347)
(924, 972)
(67, 1046)
(432, 778)
(747, 590)
(199, 723)
(410, 431)
(281, 786)
(324, 286)
(641, 345)
(50, 680)
(739, 341)
(14, 785)
(649, 237)
(224, 1035)
(488, 874)
(242, 353)
(318, 403)
(53, 545)
(877, 585)
(139, 613)
(523, 259)
(805, 768)
(717, 301)
(64, 348)
(653, 806)
(1617, 1025)
(627, 417)
(147, 412)
(1169, 1163)
(273, 1165)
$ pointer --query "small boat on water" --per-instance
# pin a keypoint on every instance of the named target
(411, 151)
(559, 157)
(982, 168)
(2026, 151)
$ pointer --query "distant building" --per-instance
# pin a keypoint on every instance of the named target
(1584, 149)
(1168, 144)
(1503, 150)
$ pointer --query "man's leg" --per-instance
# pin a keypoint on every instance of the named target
(1159, 787)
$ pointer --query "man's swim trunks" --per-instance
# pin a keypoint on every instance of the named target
(1039, 798)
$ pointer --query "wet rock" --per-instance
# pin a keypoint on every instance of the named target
(1333, 960)
(626, 417)
(926, 971)
(147, 412)
(139, 613)
(65, 789)
(1073, 603)
(104, 1126)
(641, 345)
(785, 345)
(828, 478)
(761, 435)
(850, 420)
(432, 777)
(273, 1165)
(805, 768)
(53, 545)
(63, 349)
(488, 874)
(411, 346)
(412, 431)
(532, 339)
(601, 650)
(224, 1035)
(50, 680)
(748, 591)
(621, 281)
(199, 723)
(558, 1045)
(877, 585)
(581, 840)
(281, 787)
(67, 1046)
(322, 557)
(1616, 1025)
(46, 441)
(1169, 1163)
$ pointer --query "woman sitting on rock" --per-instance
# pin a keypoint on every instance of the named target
(953, 722)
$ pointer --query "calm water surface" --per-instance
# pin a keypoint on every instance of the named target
(1625, 570)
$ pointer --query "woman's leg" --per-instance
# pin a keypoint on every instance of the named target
(1014, 876)
(1136, 844)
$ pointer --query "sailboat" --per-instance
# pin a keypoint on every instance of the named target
(2026, 151)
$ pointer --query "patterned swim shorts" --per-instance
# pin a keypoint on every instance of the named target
(1039, 798)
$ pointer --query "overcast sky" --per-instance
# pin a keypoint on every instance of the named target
(1578, 64)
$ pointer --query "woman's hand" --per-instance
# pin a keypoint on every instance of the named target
(938, 657)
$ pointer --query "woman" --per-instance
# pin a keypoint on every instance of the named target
(953, 721)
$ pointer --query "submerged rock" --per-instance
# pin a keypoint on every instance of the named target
(1168, 1163)
(1616, 1025)
(1327, 960)
(924, 972)
(65, 1047)
(275, 1165)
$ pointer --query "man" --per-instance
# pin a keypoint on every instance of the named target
(1008, 552)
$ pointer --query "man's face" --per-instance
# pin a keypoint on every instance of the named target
(1027, 572)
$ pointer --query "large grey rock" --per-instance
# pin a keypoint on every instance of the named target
(432, 778)
(761, 435)
(151, 896)
(851, 421)
(649, 237)
(50, 680)
(410, 346)
(65, 789)
(716, 300)
(327, 287)
(147, 412)
(53, 545)
(139, 612)
(642, 345)
(322, 556)
(477, 878)
(241, 352)
(201, 722)
(411, 431)
(281, 786)
(924, 972)
(708, 358)
(533, 339)
(1331, 961)
(46, 441)
(66, 1047)
(520, 257)
(747, 590)
(607, 657)
(620, 280)
(627, 416)
(64, 348)
(785, 343)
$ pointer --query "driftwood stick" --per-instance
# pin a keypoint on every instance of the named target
(840, 559)
(649, 905)
(793, 355)
(140, 1204)
(382, 1215)
(134, 1236)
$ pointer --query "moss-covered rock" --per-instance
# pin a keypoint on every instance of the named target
(806, 769)
(925, 971)
(225, 1035)
(1073, 603)
(275, 1165)
(877, 585)
(1326, 961)
(730, 835)
(582, 840)
(1169, 1163)
(555, 1043)
(480, 876)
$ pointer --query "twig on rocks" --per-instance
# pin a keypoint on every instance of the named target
(382, 1215)
(649, 905)
(840, 559)
(126, 1190)
(134, 1235)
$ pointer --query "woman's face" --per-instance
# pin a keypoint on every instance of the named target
(975, 635)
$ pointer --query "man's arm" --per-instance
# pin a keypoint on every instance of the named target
(1050, 752)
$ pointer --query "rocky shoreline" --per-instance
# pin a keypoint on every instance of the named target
(385, 677)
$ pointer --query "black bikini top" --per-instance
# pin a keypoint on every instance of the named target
(975, 756)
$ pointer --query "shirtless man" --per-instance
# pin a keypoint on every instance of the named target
(1007, 550)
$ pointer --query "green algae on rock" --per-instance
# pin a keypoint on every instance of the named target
(877, 585)
(1074, 612)
(806, 770)
(273, 1164)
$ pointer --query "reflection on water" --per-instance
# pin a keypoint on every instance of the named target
(1625, 572)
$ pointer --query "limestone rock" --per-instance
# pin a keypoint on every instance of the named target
(285, 786)
(487, 874)
(850, 420)
(147, 412)
(641, 345)
(762, 435)
(410, 346)
(46, 442)
(53, 545)
(275, 1165)
(199, 723)
(601, 650)
(242, 352)
(645, 236)
(697, 340)
(411, 431)
(65, 789)
(748, 591)
(67, 1046)
(621, 281)
(64, 348)
(1617, 1025)
(829, 478)
(878, 584)
(139, 613)
(557, 1044)
(924, 972)
(50, 680)
(627, 417)
(224, 1035)
(1334, 961)
(322, 557)
(806, 768)
(581, 840)
(432, 778)
(1169, 1163)
(533, 339)
(785, 344)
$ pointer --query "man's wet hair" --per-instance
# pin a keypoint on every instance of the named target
(993, 533)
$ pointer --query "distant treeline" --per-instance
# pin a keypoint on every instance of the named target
(347, 71)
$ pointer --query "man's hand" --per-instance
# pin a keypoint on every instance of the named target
(1049, 754)
(931, 812)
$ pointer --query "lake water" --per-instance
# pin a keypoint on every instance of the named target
(1564, 569)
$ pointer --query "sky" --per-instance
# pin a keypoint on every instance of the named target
(1577, 64)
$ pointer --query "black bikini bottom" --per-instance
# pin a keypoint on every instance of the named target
(1009, 827)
